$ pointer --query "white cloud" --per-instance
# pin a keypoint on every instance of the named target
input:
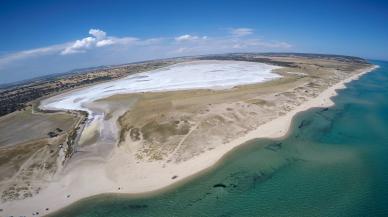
(6, 59)
(127, 49)
(240, 44)
(79, 46)
(124, 40)
(98, 34)
(186, 38)
(152, 41)
(99, 39)
(239, 32)
(181, 50)
(104, 42)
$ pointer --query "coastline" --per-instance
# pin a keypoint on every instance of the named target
(52, 196)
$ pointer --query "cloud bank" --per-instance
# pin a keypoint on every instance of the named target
(99, 48)
(240, 32)
(98, 39)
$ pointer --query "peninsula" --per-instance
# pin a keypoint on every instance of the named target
(138, 128)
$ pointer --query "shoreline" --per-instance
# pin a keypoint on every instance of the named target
(70, 184)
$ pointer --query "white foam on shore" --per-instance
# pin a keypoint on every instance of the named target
(190, 75)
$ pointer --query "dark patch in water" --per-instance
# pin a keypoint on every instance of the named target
(137, 206)
(219, 185)
(274, 147)
(259, 177)
(303, 124)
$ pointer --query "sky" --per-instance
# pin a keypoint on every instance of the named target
(44, 37)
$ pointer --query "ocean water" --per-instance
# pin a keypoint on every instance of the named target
(334, 162)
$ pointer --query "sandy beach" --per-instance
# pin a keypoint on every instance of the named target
(117, 173)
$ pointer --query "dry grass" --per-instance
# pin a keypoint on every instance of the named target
(23, 126)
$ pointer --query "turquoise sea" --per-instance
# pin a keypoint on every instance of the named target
(334, 162)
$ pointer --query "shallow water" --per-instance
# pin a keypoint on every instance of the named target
(333, 163)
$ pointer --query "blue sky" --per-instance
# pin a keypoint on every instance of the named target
(43, 37)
